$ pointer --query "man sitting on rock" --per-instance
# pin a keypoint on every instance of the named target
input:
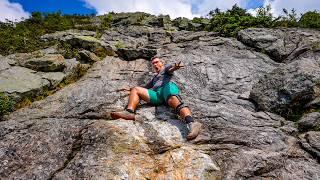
(160, 90)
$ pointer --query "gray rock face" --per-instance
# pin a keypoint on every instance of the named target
(53, 77)
(288, 89)
(66, 35)
(280, 44)
(186, 24)
(73, 67)
(88, 57)
(4, 64)
(90, 43)
(47, 63)
(41, 60)
(125, 20)
(81, 40)
(144, 19)
(132, 54)
(310, 141)
(21, 82)
(310, 122)
(69, 135)
(25, 76)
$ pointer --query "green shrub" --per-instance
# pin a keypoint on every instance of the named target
(310, 20)
(120, 45)
(315, 46)
(230, 22)
(6, 105)
(288, 20)
(25, 35)
(106, 21)
(68, 51)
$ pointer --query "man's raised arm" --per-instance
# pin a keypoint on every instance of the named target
(174, 67)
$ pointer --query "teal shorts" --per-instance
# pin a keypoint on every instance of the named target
(161, 94)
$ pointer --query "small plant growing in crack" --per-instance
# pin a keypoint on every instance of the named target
(120, 45)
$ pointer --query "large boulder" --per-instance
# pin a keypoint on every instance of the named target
(55, 78)
(136, 18)
(17, 59)
(125, 20)
(46, 63)
(88, 57)
(313, 53)
(181, 22)
(19, 82)
(90, 43)
(46, 60)
(190, 25)
(280, 44)
(132, 54)
(309, 122)
(68, 34)
(185, 36)
(81, 40)
(4, 64)
(130, 37)
(288, 89)
(159, 36)
(74, 70)
(136, 42)
(310, 141)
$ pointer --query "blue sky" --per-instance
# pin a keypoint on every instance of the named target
(71, 7)
(80, 7)
(17, 9)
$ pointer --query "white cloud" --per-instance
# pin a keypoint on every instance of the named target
(175, 8)
(207, 5)
(301, 6)
(183, 8)
(11, 11)
(253, 12)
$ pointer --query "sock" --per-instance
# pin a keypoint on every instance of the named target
(188, 119)
(130, 110)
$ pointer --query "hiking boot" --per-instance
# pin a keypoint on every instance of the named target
(124, 114)
(194, 130)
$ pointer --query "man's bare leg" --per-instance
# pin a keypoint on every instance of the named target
(185, 113)
(174, 102)
(136, 94)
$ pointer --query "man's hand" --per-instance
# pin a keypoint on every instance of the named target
(176, 66)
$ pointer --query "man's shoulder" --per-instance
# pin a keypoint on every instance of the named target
(168, 65)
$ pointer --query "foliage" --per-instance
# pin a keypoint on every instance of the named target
(120, 45)
(25, 35)
(106, 21)
(68, 51)
(6, 104)
(315, 46)
(289, 19)
(310, 20)
(228, 23)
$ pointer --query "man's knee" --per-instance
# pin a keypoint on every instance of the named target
(175, 101)
(136, 89)
(141, 92)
